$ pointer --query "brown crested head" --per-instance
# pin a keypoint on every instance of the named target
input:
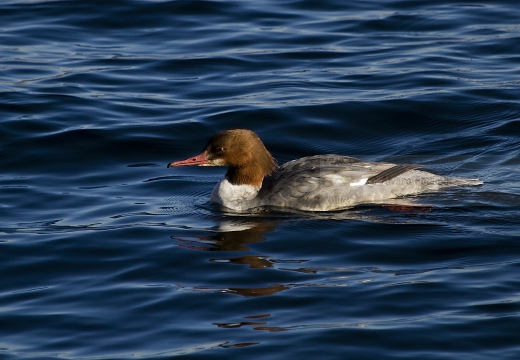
(241, 150)
(244, 154)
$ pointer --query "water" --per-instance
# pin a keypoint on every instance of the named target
(106, 254)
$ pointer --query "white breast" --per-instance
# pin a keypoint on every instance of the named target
(236, 197)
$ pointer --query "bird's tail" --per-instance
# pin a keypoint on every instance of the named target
(463, 182)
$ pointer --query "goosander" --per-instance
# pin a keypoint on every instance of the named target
(313, 183)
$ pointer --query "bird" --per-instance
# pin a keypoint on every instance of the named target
(314, 183)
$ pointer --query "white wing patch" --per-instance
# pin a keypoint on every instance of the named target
(361, 182)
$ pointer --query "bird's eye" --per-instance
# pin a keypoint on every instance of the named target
(219, 149)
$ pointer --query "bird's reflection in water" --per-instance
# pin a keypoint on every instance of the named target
(255, 262)
(246, 292)
(235, 233)
(263, 291)
(255, 325)
(231, 235)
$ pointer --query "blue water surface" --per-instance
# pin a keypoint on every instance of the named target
(106, 254)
